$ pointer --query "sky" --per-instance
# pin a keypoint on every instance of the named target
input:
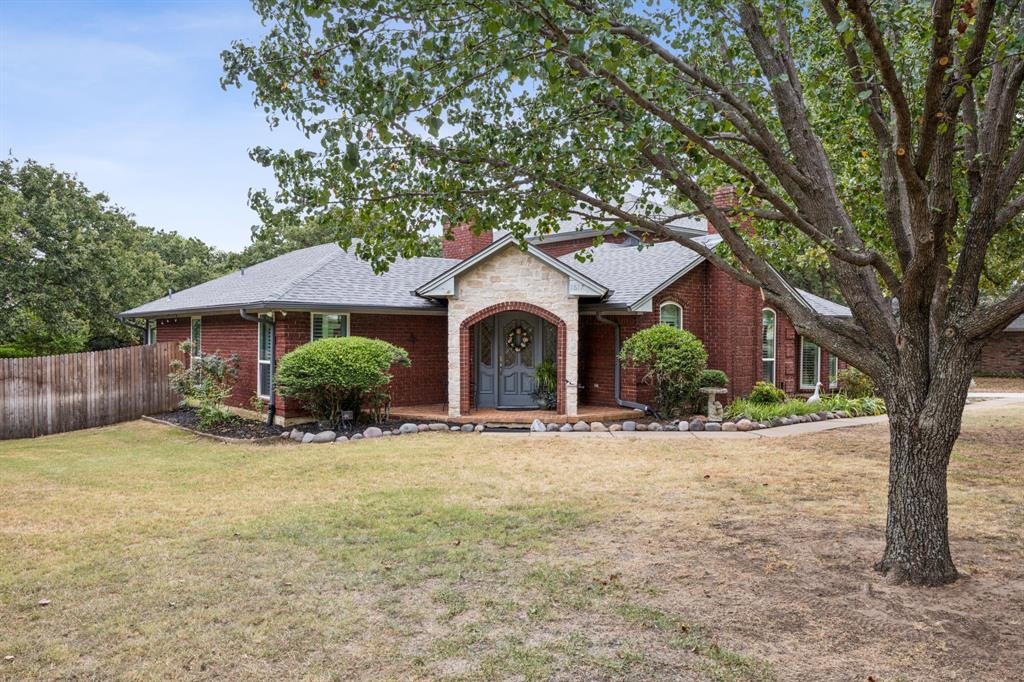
(127, 96)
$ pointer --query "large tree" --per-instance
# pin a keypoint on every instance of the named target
(887, 135)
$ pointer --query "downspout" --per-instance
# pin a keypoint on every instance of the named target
(618, 371)
(135, 325)
(272, 406)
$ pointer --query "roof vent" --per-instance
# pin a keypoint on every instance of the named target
(169, 292)
(241, 271)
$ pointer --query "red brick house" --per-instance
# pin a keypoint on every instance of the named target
(478, 321)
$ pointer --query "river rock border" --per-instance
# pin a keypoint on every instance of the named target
(699, 424)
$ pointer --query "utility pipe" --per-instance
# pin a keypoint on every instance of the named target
(272, 406)
(618, 371)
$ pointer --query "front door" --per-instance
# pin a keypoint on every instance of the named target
(519, 351)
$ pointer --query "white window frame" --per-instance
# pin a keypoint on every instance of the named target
(197, 348)
(347, 316)
(672, 304)
(833, 371)
(775, 345)
(259, 359)
(817, 365)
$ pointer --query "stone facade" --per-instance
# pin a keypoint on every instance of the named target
(511, 277)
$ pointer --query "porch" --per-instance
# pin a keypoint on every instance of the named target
(439, 413)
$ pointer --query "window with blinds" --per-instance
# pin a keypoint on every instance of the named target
(264, 377)
(768, 345)
(197, 337)
(671, 314)
(329, 325)
(810, 364)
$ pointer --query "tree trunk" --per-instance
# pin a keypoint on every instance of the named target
(921, 440)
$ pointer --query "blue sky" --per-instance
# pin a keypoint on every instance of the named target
(126, 95)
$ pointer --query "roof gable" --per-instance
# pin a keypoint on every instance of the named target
(443, 286)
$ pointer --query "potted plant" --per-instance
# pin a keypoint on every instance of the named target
(545, 386)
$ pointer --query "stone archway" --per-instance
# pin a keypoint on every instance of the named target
(466, 349)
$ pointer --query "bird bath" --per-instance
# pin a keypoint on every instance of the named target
(715, 410)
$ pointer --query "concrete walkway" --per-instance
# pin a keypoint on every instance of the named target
(990, 400)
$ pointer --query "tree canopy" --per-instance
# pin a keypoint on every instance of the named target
(881, 142)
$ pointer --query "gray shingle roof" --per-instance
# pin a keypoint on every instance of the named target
(823, 306)
(1017, 325)
(322, 276)
(633, 273)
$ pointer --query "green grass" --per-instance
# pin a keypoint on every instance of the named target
(163, 555)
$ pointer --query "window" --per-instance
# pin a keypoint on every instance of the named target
(810, 364)
(152, 332)
(328, 325)
(833, 371)
(197, 337)
(264, 377)
(672, 315)
(768, 345)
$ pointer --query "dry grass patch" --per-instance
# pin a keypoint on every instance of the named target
(479, 557)
(998, 385)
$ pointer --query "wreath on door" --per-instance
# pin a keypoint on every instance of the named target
(518, 339)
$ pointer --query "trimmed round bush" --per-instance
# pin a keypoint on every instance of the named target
(855, 383)
(673, 359)
(764, 393)
(332, 375)
(713, 378)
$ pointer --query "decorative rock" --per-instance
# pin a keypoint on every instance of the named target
(671, 427)
(729, 426)
(357, 436)
(372, 432)
(341, 439)
(397, 432)
(581, 426)
(683, 426)
(408, 428)
(386, 434)
(641, 427)
(713, 426)
(777, 421)
(324, 437)
(286, 434)
(438, 426)
(696, 425)
(479, 428)
(565, 428)
(654, 426)
(308, 438)
(598, 426)
(823, 415)
(764, 425)
(467, 428)
(615, 427)
(297, 435)
(422, 427)
(744, 425)
(537, 426)
(813, 417)
(629, 426)
(454, 428)
(552, 427)
(843, 414)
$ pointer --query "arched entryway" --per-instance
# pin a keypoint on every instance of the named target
(501, 373)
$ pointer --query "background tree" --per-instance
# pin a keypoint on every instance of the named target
(886, 134)
(70, 260)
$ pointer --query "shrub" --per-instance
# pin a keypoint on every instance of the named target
(333, 375)
(760, 412)
(764, 393)
(207, 381)
(855, 383)
(674, 359)
(715, 378)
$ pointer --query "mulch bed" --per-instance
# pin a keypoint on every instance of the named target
(235, 427)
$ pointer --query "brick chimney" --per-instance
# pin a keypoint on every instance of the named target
(724, 197)
(460, 241)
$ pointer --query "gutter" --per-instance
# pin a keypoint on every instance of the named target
(618, 371)
(272, 406)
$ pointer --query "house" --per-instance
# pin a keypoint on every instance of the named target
(1003, 355)
(478, 321)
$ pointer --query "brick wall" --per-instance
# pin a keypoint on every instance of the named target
(425, 337)
(463, 243)
(1003, 354)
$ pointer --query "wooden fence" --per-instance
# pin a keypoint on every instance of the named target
(80, 390)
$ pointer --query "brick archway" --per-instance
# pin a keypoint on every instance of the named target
(466, 349)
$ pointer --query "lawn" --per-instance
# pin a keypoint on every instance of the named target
(483, 557)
